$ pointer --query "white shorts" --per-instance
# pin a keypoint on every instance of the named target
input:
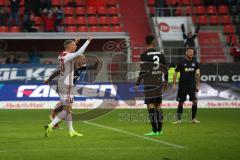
(65, 93)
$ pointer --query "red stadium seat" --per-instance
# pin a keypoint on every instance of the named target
(4, 29)
(70, 20)
(80, 11)
(81, 20)
(37, 20)
(152, 10)
(91, 10)
(22, 3)
(213, 20)
(202, 20)
(185, 2)
(14, 29)
(194, 19)
(211, 10)
(83, 29)
(179, 11)
(112, 2)
(113, 11)
(233, 39)
(106, 29)
(21, 11)
(103, 20)
(197, 2)
(188, 10)
(56, 2)
(117, 29)
(3, 2)
(68, 10)
(171, 2)
(102, 10)
(228, 29)
(94, 29)
(81, 2)
(151, 2)
(71, 29)
(115, 20)
(223, 9)
(92, 20)
(226, 19)
(200, 10)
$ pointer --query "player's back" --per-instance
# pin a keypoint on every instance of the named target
(154, 66)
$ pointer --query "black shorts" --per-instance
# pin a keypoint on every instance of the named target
(183, 91)
(153, 94)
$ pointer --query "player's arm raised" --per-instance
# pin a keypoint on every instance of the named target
(79, 52)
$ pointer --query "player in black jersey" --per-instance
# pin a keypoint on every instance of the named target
(79, 74)
(154, 75)
(188, 84)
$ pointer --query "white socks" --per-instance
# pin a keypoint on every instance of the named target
(68, 117)
(58, 118)
(69, 122)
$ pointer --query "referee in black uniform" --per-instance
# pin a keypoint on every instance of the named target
(154, 75)
(188, 84)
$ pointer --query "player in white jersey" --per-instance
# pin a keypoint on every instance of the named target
(65, 85)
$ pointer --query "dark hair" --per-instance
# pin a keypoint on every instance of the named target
(190, 48)
(149, 39)
(67, 42)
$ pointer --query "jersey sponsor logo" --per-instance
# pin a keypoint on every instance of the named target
(189, 69)
(164, 27)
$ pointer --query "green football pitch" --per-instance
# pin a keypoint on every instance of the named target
(119, 135)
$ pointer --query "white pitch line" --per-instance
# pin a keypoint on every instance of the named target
(136, 135)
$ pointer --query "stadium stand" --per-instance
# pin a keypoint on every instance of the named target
(218, 15)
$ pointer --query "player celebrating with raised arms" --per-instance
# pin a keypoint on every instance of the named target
(188, 84)
(65, 85)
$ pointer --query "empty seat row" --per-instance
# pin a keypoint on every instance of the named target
(92, 20)
(212, 20)
(94, 29)
(91, 10)
(201, 10)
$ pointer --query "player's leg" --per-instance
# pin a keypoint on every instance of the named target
(193, 98)
(57, 109)
(159, 117)
(181, 97)
(153, 119)
(72, 132)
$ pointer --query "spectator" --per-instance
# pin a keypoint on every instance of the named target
(3, 17)
(58, 13)
(27, 9)
(46, 4)
(36, 7)
(189, 39)
(235, 49)
(29, 24)
(12, 59)
(14, 14)
(34, 56)
(49, 21)
(72, 3)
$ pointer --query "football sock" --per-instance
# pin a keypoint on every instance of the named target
(153, 118)
(179, 111)
(69, 122)
(58, 118)
(194, 111)
(159, 119)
